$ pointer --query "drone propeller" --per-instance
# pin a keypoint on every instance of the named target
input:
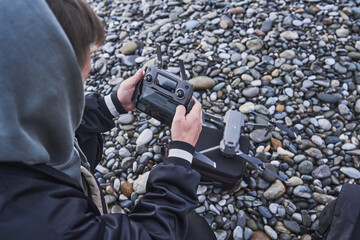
(282, 127)
(260, 166)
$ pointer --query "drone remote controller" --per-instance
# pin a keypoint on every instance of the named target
(160, 92)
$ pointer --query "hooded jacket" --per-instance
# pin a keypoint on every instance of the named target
(41, 104)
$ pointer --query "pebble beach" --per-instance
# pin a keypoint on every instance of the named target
(296, 62)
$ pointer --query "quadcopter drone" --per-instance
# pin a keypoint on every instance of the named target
(226, 160)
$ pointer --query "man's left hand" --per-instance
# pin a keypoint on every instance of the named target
(126, 90)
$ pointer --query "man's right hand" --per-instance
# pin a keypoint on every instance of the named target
(187, 128)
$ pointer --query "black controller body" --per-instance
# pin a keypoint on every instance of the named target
(160, 92)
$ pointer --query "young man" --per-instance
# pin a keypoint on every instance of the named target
(41, 192)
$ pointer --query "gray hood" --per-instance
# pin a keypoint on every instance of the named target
(41, 90)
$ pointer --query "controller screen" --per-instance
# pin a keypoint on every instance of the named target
(157, 105)
(166, 83)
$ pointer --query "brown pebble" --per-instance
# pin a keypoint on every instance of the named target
(126, 188)
(224, 24)
(110, 190)
(268, 77)
(275, 143)
(299, 10)
(258, 32)
(150, 165)
(305, 237)
(198, 46)
(327, 21)
(315, 8)
(219, 94)
(230, 74)
(267, 148)
(259, 235)
(342, 177)
(280, 108)
(237, 10)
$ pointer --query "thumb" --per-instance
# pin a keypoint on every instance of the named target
(180, 112)
(131, 82)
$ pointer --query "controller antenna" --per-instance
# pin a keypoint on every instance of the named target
(159, 58)
(182, 70)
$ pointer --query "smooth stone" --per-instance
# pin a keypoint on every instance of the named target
(270, 232)
(247, 108)
(236, 10)
(321, 172)
(101, 169)
(126, 188)
(350, 172)
(202, 82)
(332, 139)
(339, 68)
(117, 185)
(302, 191)
(258, 135)
(144, 137)
(266, 26)
(126, 119)
(294, 181)
(129, 60)
(348, 146)
(109, 199)
(187, 57)
(124, 152)
(288, 54)
(238, 233)
(345, 111)
(322, 198)
(259, 235)
(342, 32)
(329, 98)
(190, 25)
(314, 152)
(255, 44)
(109, 47)
(128, 48)
(305, 167)
(357, 106)
(324, 124)
(281, 228)
(292, 225)
(241, 219)
(218, 86)
(289, 35)
(264, 212)
(285, 153)
(275, 191)
(273, 207)
(115, 81)
(251, 92)
(139, 184)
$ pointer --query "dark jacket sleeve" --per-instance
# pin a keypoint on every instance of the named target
(59, 211)
(162, 212)
(96, 119)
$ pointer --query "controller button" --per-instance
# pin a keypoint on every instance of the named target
(148, 78)
(180, 93)
(186, 87)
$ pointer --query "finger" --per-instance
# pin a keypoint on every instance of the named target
(131, 82)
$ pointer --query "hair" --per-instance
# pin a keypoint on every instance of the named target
(81, 25)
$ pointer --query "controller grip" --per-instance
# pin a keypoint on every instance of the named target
(190, 106)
